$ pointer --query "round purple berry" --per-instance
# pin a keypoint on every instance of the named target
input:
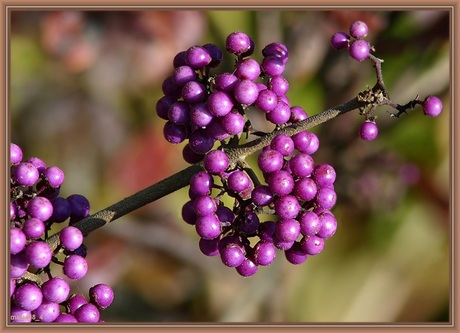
(296, 254)
(38, 254)
(246, 92)
(55, 290)
(17, 240)
(71, 238)
(432, 106)
(216, 161)
(359, 49)
(368, 130)
(25, 174)
(264, 253)
(28, 296)
(197, 57)
(87, 313)
(237, 43)
(358, 29)
(340, 40)
(15, 154)
(75, 267)
(54, 176)
(101, 295)
(247, 268)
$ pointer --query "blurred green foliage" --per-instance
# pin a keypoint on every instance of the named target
(83, 92)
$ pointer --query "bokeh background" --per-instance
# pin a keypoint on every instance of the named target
(83, 90)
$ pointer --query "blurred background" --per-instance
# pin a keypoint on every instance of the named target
(83, 90)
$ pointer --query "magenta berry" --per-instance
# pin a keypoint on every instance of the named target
(359, 49)
(358, 29)
(432, 106)
(368, 130)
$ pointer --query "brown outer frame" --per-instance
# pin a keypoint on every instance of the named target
(452, 6)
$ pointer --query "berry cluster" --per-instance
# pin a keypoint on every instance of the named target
(359, 49)
(35, 208)
(227, 200)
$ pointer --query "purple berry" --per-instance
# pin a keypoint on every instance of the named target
(215, 162)
(38, 163)
(248, 69)
(179, 113)
(208, 227)
(200, 141)
(238, 43)
(233, 122)
(305, 189)
(309, 223)
(25, 174)
(75, 267)
(209, 247)
(216, 54)
(219, 103)
(200, 115)
(201, 183)
(225, 82)
(340, 40)
(272, 66)
(174, 133)
(40, 208)
(101, 295)
(279, 85)
(55, 290)
(18, 315)
(301, 165)
(182, 75)
(432, 106)
(287, 230)
(38, 254)
(47, 312)
(238, 181)
(266, 101)
(358, 29)
(277, 50)
(270, 161)
(368, 130)
(87, 313)
(197, 57)
(247, 268)
(193, 92)
(163, 105)
(15, 154)
(33, 228)
(179, 59)
(296, 255)
(17, 240)
(79, 205)
(75, 301)
(283, 144)
(61, 210)
(18, 265)
(359, 49)
(190, 156)
(232, 255)
(71, 238)
(328, 225)
(204, 205)
(28, 296)
(261, 195)
(298, 114)
(264, 253)
(246, 92)
(54, 176)
(312, 244)
(287, 207)
(280, 114)
(281, 182)
(326, 197)
(324, 175)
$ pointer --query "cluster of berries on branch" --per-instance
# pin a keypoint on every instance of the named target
(37, 294)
